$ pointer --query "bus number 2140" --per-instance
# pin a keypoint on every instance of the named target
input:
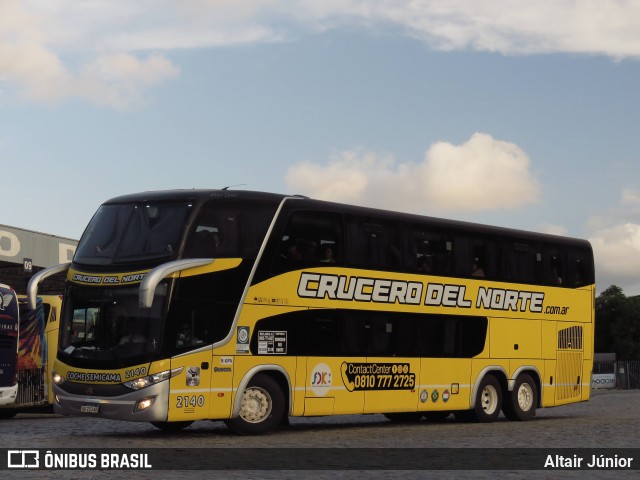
(190, 401)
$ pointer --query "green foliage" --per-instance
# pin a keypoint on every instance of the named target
(618, 324)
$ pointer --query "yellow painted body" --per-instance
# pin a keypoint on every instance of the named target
(528, 332)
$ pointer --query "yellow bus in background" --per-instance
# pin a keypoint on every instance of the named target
(37, 348)
(252, 307)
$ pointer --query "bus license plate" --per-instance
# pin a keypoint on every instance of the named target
(90, 408)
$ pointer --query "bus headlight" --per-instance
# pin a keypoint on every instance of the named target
(57, 378)
(144, 382)
(144, 404)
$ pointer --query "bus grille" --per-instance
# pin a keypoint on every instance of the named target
(31, 386)
(570, 338)
(569, 368)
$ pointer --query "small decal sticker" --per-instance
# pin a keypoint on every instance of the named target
(321, 379)
(445, 396)
(424, 396)
(434, 396)
(193, 376)
(272, 343)
(242, 345)
(378, 376)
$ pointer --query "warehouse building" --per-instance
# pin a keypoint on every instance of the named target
(24, 252)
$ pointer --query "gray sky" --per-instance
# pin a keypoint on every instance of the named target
(512, 113)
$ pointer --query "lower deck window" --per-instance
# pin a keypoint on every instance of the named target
(347, 333)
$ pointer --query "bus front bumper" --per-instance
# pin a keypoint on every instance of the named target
(148, 404)
(8, 395)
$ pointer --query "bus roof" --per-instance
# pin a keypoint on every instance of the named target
(202, 195)
(195, 195)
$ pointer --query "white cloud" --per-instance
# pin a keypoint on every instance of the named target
(41, 42)
(615, 239)
(481, 174)
(617, 250)
(33, 45)
(602, 27)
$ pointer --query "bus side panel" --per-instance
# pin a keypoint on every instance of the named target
(587, 369)
(393, 386)
(298, 397)
(549, 383)
(445, 384)
(513, 338)
(334, 386)
(221, 397)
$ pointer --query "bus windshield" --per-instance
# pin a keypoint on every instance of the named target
(106, 327)
(122, 233)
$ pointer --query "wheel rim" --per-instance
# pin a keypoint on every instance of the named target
(256, 405)
(525, 397)
(489, 399)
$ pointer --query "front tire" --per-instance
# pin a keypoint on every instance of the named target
(520, 404)
(262, 407)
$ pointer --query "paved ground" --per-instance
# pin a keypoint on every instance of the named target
(609, 420)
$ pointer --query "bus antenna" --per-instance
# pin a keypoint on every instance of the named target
(234, 186)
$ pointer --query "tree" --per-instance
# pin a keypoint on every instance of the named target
(618, 324)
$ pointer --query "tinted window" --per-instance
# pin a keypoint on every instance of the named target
(229, 229)
(132, 232)
(310, 239)
(374, 244)
(376, 334)
(431, 253)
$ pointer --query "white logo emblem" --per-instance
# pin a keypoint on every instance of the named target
(321, 379)
(5, 300)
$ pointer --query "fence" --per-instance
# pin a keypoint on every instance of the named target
(624, 375)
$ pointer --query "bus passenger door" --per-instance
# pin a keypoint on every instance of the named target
(389, 377)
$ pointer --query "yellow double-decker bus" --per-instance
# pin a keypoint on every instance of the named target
(252, 307)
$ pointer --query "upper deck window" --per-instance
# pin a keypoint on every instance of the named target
(229, 228)
(124, 233)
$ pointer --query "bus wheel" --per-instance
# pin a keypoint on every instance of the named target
(261, 409)
(520, 404)
(404, 417)
(436, 416)
(488, 401)
(171, 426)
